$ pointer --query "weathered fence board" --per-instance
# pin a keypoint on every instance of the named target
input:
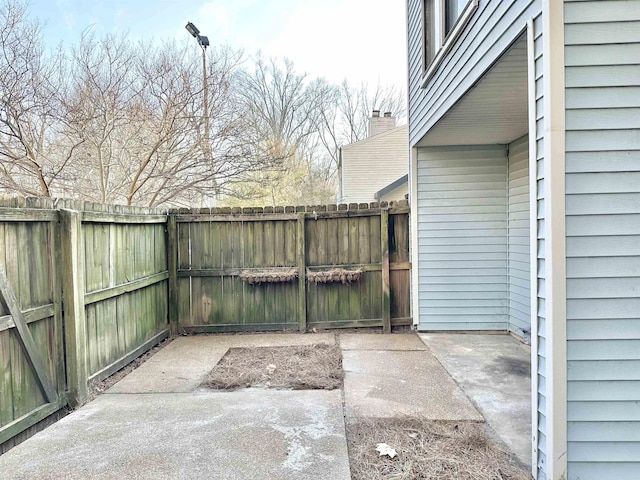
(214, 249)
(31, 352)
(211, 256)
(126, 274)
(26, 340)
(113, 264)
(400, 269)
(335, 243)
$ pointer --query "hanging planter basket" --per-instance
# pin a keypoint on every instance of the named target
(269, 275)
(335, 275)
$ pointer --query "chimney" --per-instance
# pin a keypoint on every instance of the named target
(378, 124)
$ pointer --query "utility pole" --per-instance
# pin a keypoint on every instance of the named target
(203, 41)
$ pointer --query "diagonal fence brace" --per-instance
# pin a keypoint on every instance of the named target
(26, 339)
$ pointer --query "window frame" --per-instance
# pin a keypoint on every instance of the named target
(445, 40)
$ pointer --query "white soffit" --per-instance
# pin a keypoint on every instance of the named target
(494, 111)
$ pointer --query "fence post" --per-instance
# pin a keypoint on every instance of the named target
(172, 264)
(386, 296)
(74, 314)
(302, 269)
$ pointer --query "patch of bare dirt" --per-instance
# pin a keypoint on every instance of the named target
(308, 367)
(428, 449)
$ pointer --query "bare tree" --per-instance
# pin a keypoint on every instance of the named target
(34, 152)
(121, 122)
(98, 108)
(235, 151)
(141, 109)
(282, 109)
(280, 105)
(345, 114)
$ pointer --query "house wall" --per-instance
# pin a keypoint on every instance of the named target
(518, 246)
(492, 28)
(602, 52)
(600, 173)
(540, 342)
(473, 230)
(371, 164)
(396, 194)
(462, 238)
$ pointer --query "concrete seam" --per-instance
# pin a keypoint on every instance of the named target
(344, 403)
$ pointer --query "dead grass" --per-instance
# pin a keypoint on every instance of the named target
(428, 450)
(309, 367)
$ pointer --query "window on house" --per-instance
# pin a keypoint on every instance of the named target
(442, 22)
(452, 10)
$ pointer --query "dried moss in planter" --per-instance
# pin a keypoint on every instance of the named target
(335, 275)
(271, 275)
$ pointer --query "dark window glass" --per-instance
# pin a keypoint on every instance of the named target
(439, 19)
(453, 10)
(432, 30)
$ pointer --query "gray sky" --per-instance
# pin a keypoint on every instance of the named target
(361, 40)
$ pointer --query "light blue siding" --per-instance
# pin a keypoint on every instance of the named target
(519, 262)
(540, 264)
(492, 28)
(462, 238)
(603, 238)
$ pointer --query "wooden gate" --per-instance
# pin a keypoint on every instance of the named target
(111, 264)
(31, 353)
(374, 242)
(217, 249)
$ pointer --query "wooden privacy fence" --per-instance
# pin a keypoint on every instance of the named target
(115, 288)
(90, 289)
(31, 307)
(86, 288)
(231, 269)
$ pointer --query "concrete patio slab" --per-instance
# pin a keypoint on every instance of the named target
(390, 383)
(249, 434)
(495, 373)
(184, 363)
(157, 423)
(374, 341)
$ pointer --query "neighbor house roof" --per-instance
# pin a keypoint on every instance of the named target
(391, 187)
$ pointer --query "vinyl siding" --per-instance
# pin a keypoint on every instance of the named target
(373, 163)
(396, 194)
(540, 261)
(518, 251)
(462, 238)
(602, 41)
(492, 29)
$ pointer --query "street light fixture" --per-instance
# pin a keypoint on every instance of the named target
(192, 29)
(203, 41)
(195, 33)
